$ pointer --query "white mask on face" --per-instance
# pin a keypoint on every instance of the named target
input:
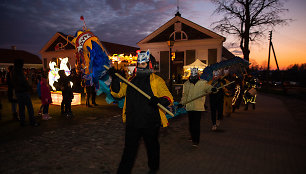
(143, 57)
(194, 72)
(216, 73)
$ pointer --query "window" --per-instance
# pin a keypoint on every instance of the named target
(181, 35)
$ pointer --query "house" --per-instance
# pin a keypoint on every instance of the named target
(7, 57)
(187, 41)
(60, 46)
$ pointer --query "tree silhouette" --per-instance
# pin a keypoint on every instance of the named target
(248, 19)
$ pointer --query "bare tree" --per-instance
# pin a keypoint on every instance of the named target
(248, 19)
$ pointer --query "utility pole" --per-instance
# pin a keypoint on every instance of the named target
(268, 69)
(271, 46)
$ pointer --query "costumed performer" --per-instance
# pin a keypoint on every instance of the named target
(192, 88)
(216, 99)
(142, 116)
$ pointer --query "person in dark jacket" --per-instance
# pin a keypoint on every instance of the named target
(216, 100)
(67, 94)
(142, 116)
(22, 89)
(10, 92)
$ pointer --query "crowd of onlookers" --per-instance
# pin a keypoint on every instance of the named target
(22, 83)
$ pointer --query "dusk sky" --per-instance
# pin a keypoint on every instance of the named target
(30, 24)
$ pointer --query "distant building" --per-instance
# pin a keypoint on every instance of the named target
(188, 41)
(7, 57)
(60, 46)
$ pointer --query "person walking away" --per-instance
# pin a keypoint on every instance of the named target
(22, 89)
(216, 100)
(11, 93)
(193, 88)
(45, 98)
(142, 116)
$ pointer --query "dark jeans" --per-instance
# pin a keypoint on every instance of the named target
(14, 106)
(45, 108)
(66, 106)
(24, 100)
(216, 105)
(194, 125)
(88, 94)
(93, 97)
(132, 137)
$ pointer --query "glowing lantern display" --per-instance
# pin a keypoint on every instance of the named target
(53, 73)
(123, 58)
(57, 98)
(54, 76)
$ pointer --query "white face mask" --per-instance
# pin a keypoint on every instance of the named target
(194, 72)
(216, 73)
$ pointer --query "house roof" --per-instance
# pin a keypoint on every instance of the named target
(227, 54)
(193, 30)
(112, 48)
(197, 63)
(9, 55)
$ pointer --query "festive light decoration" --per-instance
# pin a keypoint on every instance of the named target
(57, 98)
(53, 73)
(172, 56)
(123, 58)
(237, 93)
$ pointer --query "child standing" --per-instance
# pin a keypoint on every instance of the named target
(45, 98)
(67, 93)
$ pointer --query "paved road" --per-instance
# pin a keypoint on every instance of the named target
(267, 140)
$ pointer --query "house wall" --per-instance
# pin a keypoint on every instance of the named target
(59, 54)
(201, 48)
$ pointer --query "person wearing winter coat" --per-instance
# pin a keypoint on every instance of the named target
(142, 116)
(193, 88)
(22, 91)
(11, 93)
(45, 98)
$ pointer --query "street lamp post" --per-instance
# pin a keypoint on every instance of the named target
(170, 44)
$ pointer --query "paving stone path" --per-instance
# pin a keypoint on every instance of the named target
(268, 140)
